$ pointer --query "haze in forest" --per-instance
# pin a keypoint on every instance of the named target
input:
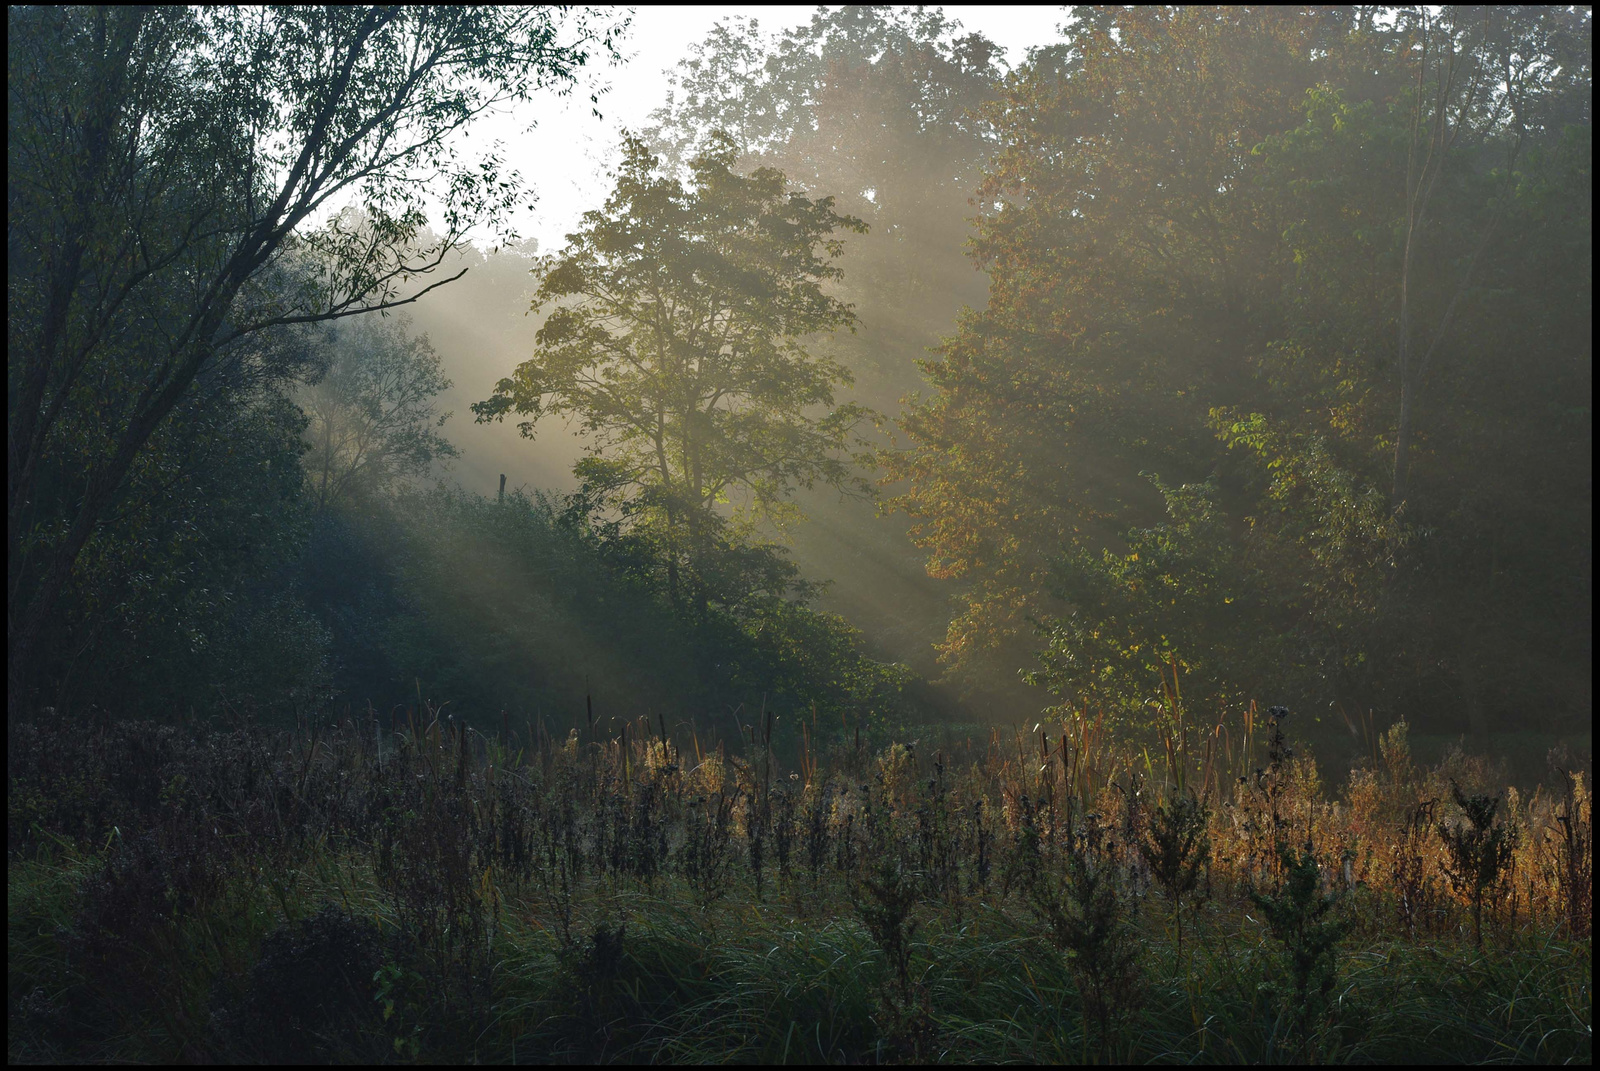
(853, 534)
(1070, 360)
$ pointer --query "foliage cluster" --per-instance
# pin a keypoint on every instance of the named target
(166, 166)
(524, 607)
(1284, 368)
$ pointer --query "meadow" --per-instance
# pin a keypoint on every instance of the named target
(369, 891)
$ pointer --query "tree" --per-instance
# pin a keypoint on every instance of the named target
(678, 339)
(373, 419)
(183, 596)
(1437, 330)
(1472, 80)
(164, 169)
(1179, 430)
(1124, 246)
(877, 107)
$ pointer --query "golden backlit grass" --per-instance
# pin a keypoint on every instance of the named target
(445, 896)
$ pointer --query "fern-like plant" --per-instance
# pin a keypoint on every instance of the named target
(1177, 848)
(1309, 926)
(884, 902)
(1089, 923)
(1478, 849)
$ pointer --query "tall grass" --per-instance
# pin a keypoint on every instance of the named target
(421, 892)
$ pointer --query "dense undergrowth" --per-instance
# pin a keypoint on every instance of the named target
(354, 894)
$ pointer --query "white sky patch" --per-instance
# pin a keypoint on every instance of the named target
(564, 158)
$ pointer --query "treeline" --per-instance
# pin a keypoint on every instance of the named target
(301, 567)
(1276, 371)
(1268, 372)
(216, 463)
(1284, 378)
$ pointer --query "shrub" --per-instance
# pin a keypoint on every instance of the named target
(1305, 921)
(1176, 847)
(1478, 848)
(311, 998)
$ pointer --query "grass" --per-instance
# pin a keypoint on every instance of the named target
(245, 897)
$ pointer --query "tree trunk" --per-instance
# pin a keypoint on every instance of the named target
(1402, 439)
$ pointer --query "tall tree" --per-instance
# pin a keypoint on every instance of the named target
(182, 596)
(1473, 77)
(1174, 434)
(678, 337)
(373, 417)
(164, 167)
(877, 107)
(1124, 246)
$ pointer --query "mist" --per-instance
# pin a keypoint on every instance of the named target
(1075, 404)
(841, 535)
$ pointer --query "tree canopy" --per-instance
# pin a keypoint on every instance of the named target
(1284, 370)
(166, 167)
(678, 337)
(1251, 345)
(373, 419)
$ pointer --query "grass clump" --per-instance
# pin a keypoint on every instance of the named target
(314, 995)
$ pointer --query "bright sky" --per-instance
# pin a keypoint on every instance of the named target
(565, 156)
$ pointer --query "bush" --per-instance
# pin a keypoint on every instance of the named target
(1479, 849)
(311, 997)
(1306, 922)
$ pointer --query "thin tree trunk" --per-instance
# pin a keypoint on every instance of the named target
(1402, 439)
(1441, 139)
